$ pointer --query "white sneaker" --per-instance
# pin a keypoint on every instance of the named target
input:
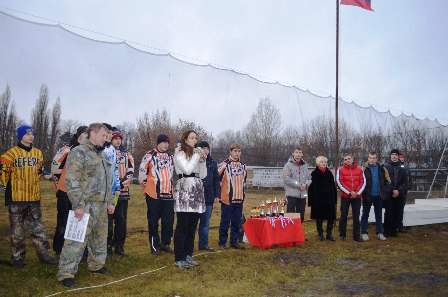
(365, 237)
(381, 236)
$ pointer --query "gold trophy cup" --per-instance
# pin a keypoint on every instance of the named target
(282, 204)
(275, 207)
(262, 209)
(268, 207)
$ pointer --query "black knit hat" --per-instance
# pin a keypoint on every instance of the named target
(395, 151)
(80, 130)
(162, 138)
(203, 144)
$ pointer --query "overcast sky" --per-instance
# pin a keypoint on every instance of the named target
(394, 57)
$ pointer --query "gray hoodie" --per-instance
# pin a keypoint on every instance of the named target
(294, 176)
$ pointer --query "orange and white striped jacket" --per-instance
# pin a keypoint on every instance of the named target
(156, 173)
(125, 163)
(58, 167)
(233, 176)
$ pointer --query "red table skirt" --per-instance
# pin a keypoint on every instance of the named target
(260, 233)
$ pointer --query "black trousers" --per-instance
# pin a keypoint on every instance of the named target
(320, 230)
(296, 205)
(117, 230)
(356, 208)
(393, 207)
(159, 209)
(187, 223)
(63, 206)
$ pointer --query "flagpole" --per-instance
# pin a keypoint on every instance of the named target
(337, 90)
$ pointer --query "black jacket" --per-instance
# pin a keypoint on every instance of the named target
(322, 195)
(384, 182)
(212, 187)
(398, 176)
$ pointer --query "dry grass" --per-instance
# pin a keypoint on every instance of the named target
(415, 264)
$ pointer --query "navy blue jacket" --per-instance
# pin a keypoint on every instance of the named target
(212, 187)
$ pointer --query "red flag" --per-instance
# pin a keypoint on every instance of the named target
(361, 3)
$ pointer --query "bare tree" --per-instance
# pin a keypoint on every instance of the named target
(263, 132)
(129, 131)
(54, 132)
(8, 121)
(40, 119)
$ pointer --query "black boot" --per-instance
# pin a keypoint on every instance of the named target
(320, 231)
(330, 230)
(120, 251)
(110, 252)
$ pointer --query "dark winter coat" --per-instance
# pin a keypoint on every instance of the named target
(212, 186)
(322, 195)
(398, 176)
(384, 182)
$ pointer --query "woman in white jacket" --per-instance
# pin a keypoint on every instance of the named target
(189, 201)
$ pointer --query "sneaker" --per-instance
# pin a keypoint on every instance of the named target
(342, 238)
(237, 246)
(222, 247)
(206, 248)
(381, 236)
(103, 270)
(156, 252)
(365, 237)
(182, 264)
(68, 282)
(166, 248)
(402, 230)
(17, 263)
(330, 238)
(190, 261)
(321, 237)
(358, 239)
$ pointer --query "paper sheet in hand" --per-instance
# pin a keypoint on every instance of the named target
(76, 229)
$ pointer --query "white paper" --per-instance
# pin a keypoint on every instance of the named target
(76, 229)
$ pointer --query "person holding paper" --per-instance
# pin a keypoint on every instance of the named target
(89, 183)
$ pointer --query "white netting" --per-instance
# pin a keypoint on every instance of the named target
(126, 80)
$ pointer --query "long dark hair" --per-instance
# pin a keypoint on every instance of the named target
(188, 150)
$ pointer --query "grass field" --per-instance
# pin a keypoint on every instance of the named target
(414, 264)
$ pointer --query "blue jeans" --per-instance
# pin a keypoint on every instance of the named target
(204, 226)
(230, 215)
(378, 208)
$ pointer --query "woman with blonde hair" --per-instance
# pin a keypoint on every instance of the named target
(322, 198)
(189, 201)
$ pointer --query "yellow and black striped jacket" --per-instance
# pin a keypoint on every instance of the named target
(21, 170)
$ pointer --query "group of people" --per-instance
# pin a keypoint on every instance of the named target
(92, 176)
(381, 185)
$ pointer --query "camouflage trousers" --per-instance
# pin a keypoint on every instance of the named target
(96, 241)
(31, 215)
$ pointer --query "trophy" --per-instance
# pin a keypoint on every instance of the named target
(275, 207)
(282, 204)
(268, 207)
(262, 208)
(253, 212)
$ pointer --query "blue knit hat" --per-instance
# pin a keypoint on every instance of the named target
(162, 138)
(22, 130)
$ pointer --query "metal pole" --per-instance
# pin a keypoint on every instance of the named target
(337, 90)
